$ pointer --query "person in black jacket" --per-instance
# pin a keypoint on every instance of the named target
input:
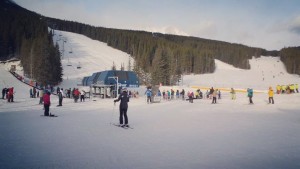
(124, 97)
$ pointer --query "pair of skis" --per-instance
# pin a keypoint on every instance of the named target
(50, 115)
(123, 126)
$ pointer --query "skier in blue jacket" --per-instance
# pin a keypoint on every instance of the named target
(148, 94)
(250, 95)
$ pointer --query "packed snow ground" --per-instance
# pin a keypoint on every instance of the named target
(169, 135)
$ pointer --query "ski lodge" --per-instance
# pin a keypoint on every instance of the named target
(109, 83)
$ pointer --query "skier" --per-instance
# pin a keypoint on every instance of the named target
(214, 95)
(3, 93)
(47, 103)
(76, 94)
(60, 98)
(177, 94)
(123, 107)
(233, 96)
(182, 94)
(271, 94)
(191, 97)
(159, 93)
(250, 95)
(148, 94)
(82, 95)
(211, 91)
(41, 96)
(11, 94)
(31, 93)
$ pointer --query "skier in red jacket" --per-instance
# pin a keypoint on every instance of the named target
(47, 103)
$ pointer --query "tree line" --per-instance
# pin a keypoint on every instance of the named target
(24, 35)
(291, 58)
(166, 57)
(159, 58)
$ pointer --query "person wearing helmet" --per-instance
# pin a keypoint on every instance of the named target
(124, 97)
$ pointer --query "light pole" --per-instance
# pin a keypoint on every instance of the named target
(117, 80)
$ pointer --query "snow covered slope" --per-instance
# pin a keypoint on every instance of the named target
(91, 55)
(264, 72)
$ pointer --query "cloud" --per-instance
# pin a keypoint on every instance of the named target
(166, 30)
(295, 25)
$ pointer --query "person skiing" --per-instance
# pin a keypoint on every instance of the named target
(3, 93)
(214, 96)
(76, 95)
(41, 96)
(250, 95)
(182, 94)
(271, 94)
(232, 92)
(60, 98)
(123, 107)
(148, 94)
(47, 103)
(82, 93)
(11, 94)
(191, 97)
(211, 91)
(31, 93)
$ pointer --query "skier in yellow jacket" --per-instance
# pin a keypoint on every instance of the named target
(271, 94)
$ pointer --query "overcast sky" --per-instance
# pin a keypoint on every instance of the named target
(270, 24)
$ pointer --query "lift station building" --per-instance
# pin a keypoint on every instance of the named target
(108, 83)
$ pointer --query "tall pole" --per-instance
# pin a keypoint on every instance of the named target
(117, 80)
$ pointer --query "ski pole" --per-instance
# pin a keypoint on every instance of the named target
(113, 113)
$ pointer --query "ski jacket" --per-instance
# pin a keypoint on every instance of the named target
(271, 93)
(215, 92)
(60, 95)
(76, 92)
(148, 92)
(41, 93)
(124, 97)
(46, 99)
(11, 91)
(250, 92)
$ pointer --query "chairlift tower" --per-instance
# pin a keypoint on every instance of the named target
(116, 78)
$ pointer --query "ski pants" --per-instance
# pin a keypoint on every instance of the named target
(81, 98)
(271, 100)
(123, 112)
(148, 99)
(250, 100)
(60, 101)
(214, 100)
(41, 100)
(46, 113)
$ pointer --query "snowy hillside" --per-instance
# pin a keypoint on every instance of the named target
(172, 134)
(90, 55)
(264, 72)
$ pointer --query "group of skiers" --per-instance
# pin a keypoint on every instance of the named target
(291, 88)
(8, 93)
(212, 93)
